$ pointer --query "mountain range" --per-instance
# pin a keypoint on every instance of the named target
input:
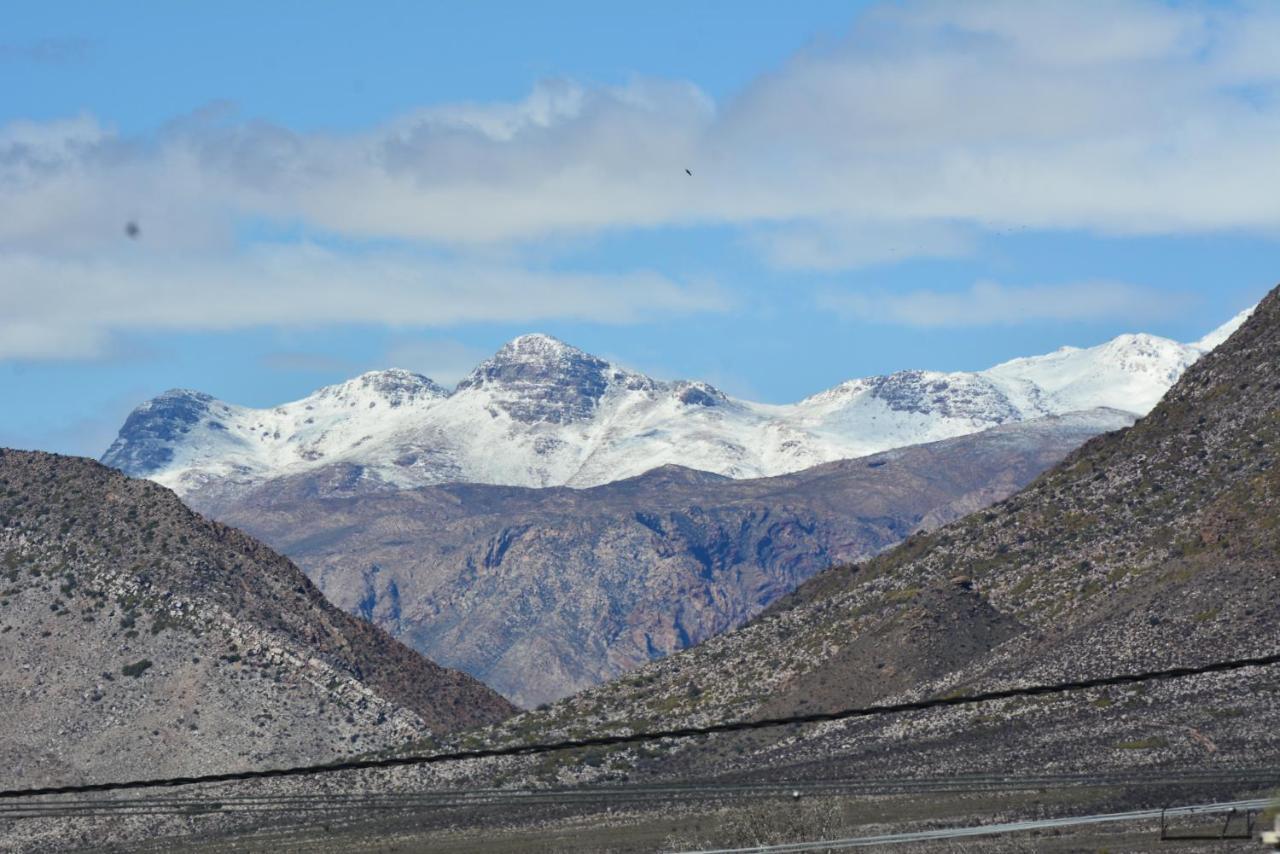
(437, 515)
(543, 592)
(542, 413)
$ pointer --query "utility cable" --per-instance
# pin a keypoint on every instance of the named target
(334, 804)
(652, 735)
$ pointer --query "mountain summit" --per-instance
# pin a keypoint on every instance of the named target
(537, 378)
(395, 387)
(537, 348)
(540, 412)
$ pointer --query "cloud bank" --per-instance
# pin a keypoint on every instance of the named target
(70, 308)
(928, 125)
(1117, 116)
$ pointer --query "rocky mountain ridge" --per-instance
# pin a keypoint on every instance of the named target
(543, 592)
(542, 413)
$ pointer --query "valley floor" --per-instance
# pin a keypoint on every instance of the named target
(727, 814)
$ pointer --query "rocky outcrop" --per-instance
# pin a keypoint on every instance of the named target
(151, 432)
(535, 378)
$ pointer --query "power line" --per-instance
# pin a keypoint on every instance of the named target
(333, 803)
(652, 735)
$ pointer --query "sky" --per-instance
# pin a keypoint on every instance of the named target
(769, 197)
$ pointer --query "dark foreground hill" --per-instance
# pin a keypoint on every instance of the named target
(544, 592)
(140, 639)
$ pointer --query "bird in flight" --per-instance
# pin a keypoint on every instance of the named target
(131, 230)
(687, 172)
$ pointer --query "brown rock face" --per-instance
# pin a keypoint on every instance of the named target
(140, 639)
(541, 593)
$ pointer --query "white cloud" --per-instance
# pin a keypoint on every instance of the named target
(1115, 116)
(931, 123)
(71, 307)
(993, 304)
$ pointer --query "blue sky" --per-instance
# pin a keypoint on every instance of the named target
(323, 189)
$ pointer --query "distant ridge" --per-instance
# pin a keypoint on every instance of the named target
(540, 412)
(543, 592)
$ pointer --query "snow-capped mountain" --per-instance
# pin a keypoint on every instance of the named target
(541, 413)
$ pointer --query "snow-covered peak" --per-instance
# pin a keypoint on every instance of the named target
(537, 378)
(395, 387)
(1139, 348)
(1130, 372)
(182, 394)
(540, 412)
(538, 347)
(529, 356)
(146, 441)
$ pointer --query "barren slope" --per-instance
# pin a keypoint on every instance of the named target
(138, 638)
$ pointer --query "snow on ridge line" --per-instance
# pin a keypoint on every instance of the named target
(540, 412)
(1223, 332)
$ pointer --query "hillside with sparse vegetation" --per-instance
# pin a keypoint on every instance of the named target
(140, 639)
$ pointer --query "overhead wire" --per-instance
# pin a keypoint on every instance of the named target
(335, 802)
(536, 748)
